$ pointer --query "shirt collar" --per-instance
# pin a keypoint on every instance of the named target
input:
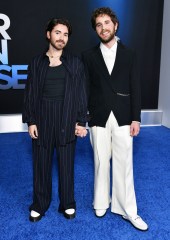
(106, 49)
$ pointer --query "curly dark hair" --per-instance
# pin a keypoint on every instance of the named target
(55, 21)
(103, 11)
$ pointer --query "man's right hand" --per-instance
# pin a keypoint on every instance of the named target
(33, 132)
(80, 131)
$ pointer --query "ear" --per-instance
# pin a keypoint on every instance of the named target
(116, 26)
(48, 34)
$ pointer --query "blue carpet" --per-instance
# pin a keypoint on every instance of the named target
(152, 183)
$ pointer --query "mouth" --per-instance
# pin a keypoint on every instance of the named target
(60, 42)
(105, 33)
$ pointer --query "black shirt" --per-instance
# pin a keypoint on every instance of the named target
(54, 86)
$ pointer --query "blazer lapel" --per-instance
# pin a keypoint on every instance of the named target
(102, 68)
(43, 66)
(116, 66)
(99, 60)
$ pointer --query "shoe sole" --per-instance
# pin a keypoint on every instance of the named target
(69, 216)
(35, 219)
(100, 216)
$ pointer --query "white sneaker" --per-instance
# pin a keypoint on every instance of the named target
(137, 222)
(100, 212)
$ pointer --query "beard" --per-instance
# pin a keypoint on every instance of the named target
(107, 40)
(58, 45)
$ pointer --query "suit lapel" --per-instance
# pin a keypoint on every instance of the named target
(100, 63)
(42, 70)
(101, 66)
(117, 62)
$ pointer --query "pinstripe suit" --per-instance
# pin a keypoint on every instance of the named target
(55, 121)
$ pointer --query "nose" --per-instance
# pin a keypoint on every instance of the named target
(61, 37)
(103, 27)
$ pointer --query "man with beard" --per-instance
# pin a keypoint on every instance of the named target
(114, 106)
(55, 108)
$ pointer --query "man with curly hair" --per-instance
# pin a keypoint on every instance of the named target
(114, 106)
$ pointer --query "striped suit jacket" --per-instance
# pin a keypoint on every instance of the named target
(75, 101)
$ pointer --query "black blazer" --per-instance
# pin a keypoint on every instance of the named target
(118, 92)
(75, 101)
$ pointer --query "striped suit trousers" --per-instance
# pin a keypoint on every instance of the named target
(51, 111)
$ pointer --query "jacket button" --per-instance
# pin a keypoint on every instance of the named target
(62, 130)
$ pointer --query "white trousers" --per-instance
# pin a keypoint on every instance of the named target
(113, 142)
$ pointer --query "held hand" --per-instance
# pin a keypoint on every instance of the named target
(134, 129)
(33, 132)
(80, 131)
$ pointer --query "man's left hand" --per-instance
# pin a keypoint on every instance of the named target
(134, 129)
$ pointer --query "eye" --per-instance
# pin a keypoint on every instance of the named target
(98, 25)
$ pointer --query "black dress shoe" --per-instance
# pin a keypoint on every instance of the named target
(35, 219)
(69, 216)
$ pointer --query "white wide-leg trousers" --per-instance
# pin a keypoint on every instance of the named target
(113, 142)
